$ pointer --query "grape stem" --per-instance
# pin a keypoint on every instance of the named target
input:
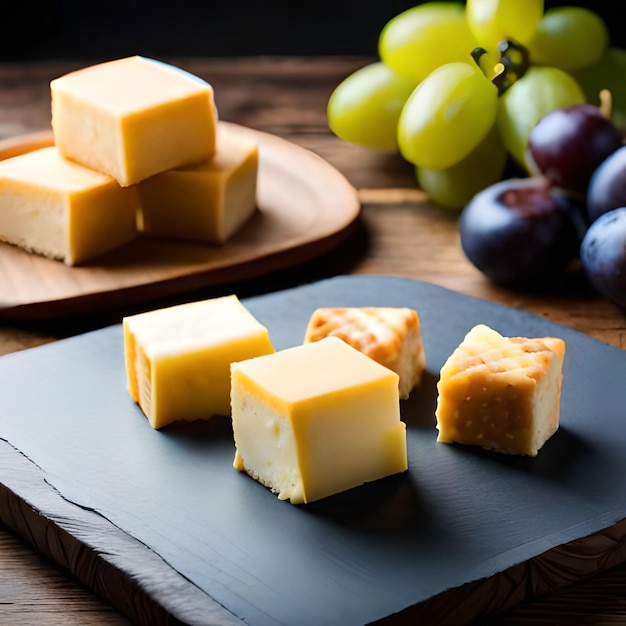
(606, 103)
(514, 61)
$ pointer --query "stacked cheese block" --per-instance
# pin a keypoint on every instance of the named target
(138, 151)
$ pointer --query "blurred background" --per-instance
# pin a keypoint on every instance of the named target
(67, 29)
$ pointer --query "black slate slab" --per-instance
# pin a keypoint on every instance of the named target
(175, 533)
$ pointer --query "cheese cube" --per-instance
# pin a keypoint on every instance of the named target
(501, 393)
(178, 358)
(208, 202)
(317, 419)
(62, 210)
(132, 118)
(390, 335)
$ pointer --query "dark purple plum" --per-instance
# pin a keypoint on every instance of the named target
(603, 255)
(607, 188)
(568, 144)
(521, 233)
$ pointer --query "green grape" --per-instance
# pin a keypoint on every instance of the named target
(492, 21)
(455, 186)
(569, 38)
(364, 108)
(539, 91)
(447, 116)
(422, 38)
(608, 73)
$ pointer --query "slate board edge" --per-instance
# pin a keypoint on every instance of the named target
(146, 589)
(104, 557)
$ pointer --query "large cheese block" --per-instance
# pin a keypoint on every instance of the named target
(390, 335)
(62, 210)
(315, 420)
(133, 117)
(208, 202)
(178, 358)
(501, 393)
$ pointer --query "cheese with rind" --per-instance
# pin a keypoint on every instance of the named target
(316, 419)
(62, 210)
(501, 393)
(133, 117)
(390, 335)
(207, 202)
(178, 358)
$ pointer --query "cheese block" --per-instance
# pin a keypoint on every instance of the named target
(62, 210)
(133, 117)
(389, 335)
(315, 420)
(501, 393)
(178, 358)
(208, 202)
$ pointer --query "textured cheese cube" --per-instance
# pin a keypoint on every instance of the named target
(391, 336)
(133, 117)
(317, 419)
(208, 202)
(501, 393)
(178, 358)
(62, 210)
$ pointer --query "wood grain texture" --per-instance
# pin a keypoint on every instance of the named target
(399, 233)
(27, 597)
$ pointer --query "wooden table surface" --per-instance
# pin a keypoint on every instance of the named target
(400, 233)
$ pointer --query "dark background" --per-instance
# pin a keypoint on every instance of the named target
(67, 29)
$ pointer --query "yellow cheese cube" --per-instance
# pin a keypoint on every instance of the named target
(501, 393)
(317, 419)
(178, 358)
(133, 117)
(62, 210)
(207, 202)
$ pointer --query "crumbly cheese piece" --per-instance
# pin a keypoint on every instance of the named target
(178, 358)
(133, 117)
(315, 420)
(391, 336)
(501, 393)
(62, 210)
(208, 202)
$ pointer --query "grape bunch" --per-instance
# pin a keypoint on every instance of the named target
(458, 87)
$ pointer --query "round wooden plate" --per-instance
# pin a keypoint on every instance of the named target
(306, 207)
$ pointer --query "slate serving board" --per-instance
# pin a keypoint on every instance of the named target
(161, 524)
